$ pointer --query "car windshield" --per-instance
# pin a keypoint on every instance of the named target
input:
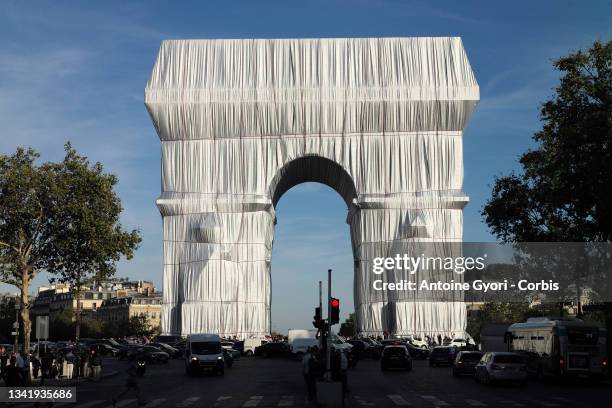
(471, 357)
(395, 352)
(508, 359)
(206, 347)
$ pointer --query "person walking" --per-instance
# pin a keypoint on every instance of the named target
(95, 363)
(309, 374)
(4, 358)
(134, 371)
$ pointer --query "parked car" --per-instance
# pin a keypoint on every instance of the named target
(442, 355)
(104, 349)
(234, 353)
(275, 349)
(418, 342)
(395, 357)
(465, 362)
(501, 367)
(249, 346)
(151, 354)
(172, 351)
(417, 353)
(228, 358)
(459, 342)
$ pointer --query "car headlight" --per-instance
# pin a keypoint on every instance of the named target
(219, 358)
(194, 359)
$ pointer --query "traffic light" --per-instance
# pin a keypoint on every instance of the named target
(335, 311)
(318, 319)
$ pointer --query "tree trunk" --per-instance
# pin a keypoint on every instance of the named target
(77, 324)
(25, 309)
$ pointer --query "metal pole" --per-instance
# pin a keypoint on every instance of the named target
(328, 354)
(321, 331)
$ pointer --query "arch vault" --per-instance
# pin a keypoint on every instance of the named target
(241, 121)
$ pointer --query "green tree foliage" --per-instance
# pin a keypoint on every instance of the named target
(26, 228)
(59, 217)
(563, 193)
(89, 237)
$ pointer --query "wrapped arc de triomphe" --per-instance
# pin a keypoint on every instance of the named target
(380, 120)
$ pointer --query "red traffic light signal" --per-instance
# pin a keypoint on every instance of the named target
(335, 311)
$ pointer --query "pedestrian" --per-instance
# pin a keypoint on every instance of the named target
(134, 371)
(22, 365)
(309, 374)
(4, 358)
(343, 372)
(11, 377)
(96, 364)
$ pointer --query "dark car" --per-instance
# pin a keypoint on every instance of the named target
(442, 355)
(417, 353)
(170, 340)
(276, 349)
(104, 349)
(172, 351)
(228, 358)
(151, 354)
(465, 362)
(395, 356)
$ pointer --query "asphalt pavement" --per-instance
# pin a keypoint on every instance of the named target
(259, 382)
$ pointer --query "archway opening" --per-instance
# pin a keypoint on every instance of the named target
(311, 236)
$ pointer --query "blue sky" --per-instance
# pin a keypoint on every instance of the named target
(77, 70)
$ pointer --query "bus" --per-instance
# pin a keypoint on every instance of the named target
(559, 347)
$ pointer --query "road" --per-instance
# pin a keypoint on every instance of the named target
(258, 382)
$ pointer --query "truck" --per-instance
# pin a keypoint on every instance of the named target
(559, 347)
(300, 334)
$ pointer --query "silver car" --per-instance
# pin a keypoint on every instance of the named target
(501, 367)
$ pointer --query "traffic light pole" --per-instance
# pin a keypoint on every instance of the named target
(329, 313)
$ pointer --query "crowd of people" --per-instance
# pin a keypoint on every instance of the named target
(19, 369)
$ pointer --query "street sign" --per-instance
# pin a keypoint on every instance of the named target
(14, 333)
(15, 325)
(42, 327)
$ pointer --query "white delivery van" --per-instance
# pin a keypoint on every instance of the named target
(300, 346)
(251, 344)
(203, 352)
(300, 334)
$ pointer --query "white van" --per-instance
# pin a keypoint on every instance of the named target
(251, 344)
(203, 352)
(300, 346)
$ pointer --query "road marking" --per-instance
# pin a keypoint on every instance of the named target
(253, 401)
(398, 400)
(155, 403)
(91, 403)
(434, 400)
(222, 398)
(122, 403)
(514, 403)
(286, 401)
(188, 402)
(475, 403)
(363, 402)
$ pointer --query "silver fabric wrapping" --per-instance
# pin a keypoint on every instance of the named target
(241, 121)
